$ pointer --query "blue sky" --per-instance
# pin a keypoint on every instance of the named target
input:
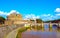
(45, 9)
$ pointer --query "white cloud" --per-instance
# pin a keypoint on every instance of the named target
(31, 16)
(13, 11)
(2, 13)
(8, 13)
(57, 10)
(57, 14)
(46, 15)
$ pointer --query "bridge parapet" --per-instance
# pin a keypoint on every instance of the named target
(4, 30)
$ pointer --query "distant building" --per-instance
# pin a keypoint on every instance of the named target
(14, 19)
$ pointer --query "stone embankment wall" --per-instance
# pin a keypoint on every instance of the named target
(4, 30)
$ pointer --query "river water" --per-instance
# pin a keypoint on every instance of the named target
(45, 32)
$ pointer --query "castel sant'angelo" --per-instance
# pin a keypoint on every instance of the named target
(15, 19)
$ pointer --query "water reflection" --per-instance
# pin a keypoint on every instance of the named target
(42, 32)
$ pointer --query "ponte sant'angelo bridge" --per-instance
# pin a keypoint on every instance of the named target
(4, 30)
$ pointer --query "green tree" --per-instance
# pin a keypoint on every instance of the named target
(39, 20)
(2, 19)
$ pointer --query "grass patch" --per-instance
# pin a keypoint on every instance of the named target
(20, 31)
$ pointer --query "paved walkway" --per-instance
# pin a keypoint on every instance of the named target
(12, 34)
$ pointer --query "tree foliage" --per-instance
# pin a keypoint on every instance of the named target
(39, 20)
(53, 21)
(2, 19)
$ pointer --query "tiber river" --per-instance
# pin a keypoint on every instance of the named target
(45, 32)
